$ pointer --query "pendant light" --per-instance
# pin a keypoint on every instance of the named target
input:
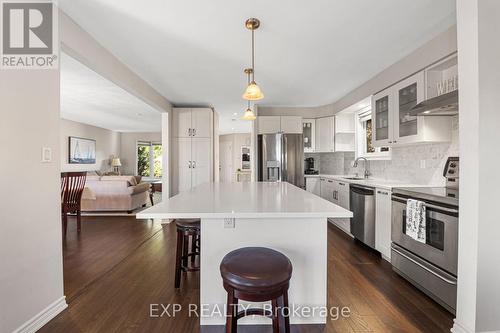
(253, 92)
(249, 114)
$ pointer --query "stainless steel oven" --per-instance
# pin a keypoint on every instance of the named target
(441, 246)
(430, 266)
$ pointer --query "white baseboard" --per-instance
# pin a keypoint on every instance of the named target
(43, 317)
(458, 328)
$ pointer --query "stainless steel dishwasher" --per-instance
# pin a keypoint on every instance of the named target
(362, 203)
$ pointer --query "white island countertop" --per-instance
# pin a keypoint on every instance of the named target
(245, 200)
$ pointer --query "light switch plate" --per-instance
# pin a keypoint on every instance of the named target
(229, 223)
(422, 164)
(46, 155)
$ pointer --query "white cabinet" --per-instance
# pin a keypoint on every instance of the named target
(279, 124)
(313, 185)
(393, 123)
(201, 120)
(201, 161)
(309, 132)
(341, 198)
(192, 122)
(181, 126)
(291, 124)
(269, 124)
(344, 132)
(192, 148)
(325, 128)
(383, 222)
(326, 189)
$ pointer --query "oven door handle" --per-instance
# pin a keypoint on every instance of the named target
(424, 267)
(441, 208)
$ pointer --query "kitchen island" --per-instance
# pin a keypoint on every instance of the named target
(280, 216)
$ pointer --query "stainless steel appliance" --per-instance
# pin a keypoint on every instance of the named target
(443, 105)
(430, 266)
(309, 166)
(362, 204)
(281, 158)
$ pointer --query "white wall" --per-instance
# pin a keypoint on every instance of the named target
(107, 145)
(479, 252)
(128, 149)
(31, 273)
(238, 140)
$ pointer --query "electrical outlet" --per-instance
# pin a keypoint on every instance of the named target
(422, 164)
(229, 223)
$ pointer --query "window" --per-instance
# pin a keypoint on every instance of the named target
(364, 138)
(149, 159)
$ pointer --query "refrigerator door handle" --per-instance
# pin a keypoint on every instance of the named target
(284, 164)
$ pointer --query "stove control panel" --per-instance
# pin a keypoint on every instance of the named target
(451, 172)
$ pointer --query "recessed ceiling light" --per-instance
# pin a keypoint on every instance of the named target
(235, 114)
(426, 112)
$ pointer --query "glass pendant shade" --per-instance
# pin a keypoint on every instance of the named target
(249, 115)
(253, 92)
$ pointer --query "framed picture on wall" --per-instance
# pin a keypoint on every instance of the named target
(81, 151)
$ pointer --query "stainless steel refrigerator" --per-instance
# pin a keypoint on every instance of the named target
(281, 158)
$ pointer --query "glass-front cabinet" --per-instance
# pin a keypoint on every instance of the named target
(308, 131)
(392, 120)
(382, 118)
(408, 93)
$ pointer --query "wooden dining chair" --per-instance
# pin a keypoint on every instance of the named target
(72, 185)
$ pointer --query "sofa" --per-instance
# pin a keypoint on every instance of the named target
(114, 193)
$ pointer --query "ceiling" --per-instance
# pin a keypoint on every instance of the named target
(308, 53)
(89, 98)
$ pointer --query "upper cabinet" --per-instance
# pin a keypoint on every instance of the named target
(291, 124)
(393, 123)
(192, 122)
(309, 132)
(279, 124)
(325, 134)
(344, 132)
(407, 94)
(269, 124)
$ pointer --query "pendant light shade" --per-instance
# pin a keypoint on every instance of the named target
(249, 115)
(253, 92)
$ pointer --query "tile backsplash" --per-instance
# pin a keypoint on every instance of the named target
(416, 164)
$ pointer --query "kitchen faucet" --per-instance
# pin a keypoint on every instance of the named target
(367, 171)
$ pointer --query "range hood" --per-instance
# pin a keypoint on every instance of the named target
(443, 105)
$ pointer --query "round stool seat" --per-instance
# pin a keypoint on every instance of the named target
(255, 269)
(188, 223)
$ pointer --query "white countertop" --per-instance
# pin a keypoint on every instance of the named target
(245, 200)
(370, 182)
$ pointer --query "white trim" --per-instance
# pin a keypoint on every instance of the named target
(43, 317)
(458, 328)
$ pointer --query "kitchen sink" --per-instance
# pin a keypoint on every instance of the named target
(354, 178)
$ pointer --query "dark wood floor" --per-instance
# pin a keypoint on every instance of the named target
(119, 266)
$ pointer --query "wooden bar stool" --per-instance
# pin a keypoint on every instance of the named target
(188, 247)
(256, 274)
